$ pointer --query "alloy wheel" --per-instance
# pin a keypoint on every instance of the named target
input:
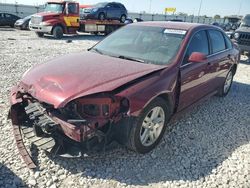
(228, 82)
(152, 126)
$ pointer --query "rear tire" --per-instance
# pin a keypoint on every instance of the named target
(57, 32)
(224, 90)
(148, 130)
(101, 16)
(39, 34)
(109, 29)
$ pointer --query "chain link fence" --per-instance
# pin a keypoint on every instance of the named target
(25, 10)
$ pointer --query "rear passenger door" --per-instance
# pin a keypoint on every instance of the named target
(220, 58)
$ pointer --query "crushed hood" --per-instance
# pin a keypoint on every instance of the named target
(66, 78)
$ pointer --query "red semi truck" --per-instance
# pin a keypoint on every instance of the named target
(63, 17)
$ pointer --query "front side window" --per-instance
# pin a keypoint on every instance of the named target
(217, 41)
(73, 8)
(151, 45)
(198, 43)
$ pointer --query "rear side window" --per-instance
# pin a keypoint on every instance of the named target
(217, 41)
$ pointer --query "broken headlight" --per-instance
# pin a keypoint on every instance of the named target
(103, 107)
(91, 109)
(236, 36)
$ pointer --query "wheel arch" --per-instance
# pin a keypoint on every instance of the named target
(166, 96)
(102, 12)
(61, 25)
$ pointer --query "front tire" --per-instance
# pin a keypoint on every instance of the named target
(224, 90)
(57, 32)
(148, 130)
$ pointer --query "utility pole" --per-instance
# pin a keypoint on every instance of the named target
(240, 7)
(200, 8)
(150, 2)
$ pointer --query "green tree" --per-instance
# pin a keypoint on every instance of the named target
(217, 16)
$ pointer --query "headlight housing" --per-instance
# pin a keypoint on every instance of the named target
(101, 107)
(236, 35)
(94, 10)
(45, 23)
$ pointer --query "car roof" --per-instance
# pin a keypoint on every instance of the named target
(171, 25)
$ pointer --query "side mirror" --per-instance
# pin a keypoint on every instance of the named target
(197, 57)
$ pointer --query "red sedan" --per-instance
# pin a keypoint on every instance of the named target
(125, 88)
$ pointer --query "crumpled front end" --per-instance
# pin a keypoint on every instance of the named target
(82, 125)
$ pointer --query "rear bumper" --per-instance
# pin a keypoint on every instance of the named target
(40, 28)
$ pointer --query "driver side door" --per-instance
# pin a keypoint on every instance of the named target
(194, 76)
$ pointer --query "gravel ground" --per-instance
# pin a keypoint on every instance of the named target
(207, 147)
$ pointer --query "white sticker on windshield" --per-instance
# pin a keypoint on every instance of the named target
(175, 31)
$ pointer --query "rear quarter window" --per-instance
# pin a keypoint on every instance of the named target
(217, 41)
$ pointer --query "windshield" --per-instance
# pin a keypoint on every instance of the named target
(154, 45)
(99, 5)
(54, 7)
(246, 21)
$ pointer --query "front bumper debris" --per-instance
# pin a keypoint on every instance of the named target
(62, 131)
(29, 122)
(19, 140)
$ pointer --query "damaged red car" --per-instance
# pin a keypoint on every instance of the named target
(125, 88)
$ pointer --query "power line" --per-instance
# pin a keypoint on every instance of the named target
(240, 7)
(200, 8)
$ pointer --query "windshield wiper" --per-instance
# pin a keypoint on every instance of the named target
(95, 50)
(131, 59)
